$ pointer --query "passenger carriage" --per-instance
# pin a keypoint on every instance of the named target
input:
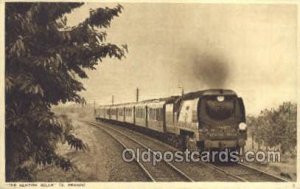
(121, 113)
(208, 119)
(129, 113)
(141, 114)
(156, 115)
(113, 112)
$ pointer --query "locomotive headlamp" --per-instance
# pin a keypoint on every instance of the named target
(242, 126)
(220, 98)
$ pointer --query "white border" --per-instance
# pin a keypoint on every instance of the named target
(137, 185)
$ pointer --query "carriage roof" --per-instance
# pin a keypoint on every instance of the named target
(175, 99)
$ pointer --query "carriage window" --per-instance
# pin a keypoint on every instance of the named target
(114, 112)
(152, 114)
(139, 112)
(128, 112)
(159, 114)
(121, 112)
(156, 114)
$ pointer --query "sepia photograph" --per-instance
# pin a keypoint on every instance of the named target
(117, 92)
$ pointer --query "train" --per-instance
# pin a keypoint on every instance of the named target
(211, 119)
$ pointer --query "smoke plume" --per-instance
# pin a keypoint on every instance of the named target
(210, 70)
(201, 69)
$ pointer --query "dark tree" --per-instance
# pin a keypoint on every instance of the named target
(44, 60)
(276, 127)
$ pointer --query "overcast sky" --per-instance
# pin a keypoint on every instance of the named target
(250, 49)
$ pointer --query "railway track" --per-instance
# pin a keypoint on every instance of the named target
(263, 173)
(236, 172)
(163, 171)
(246, 173)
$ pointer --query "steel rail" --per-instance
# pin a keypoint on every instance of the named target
(181, 173)
(212, 166)
(263, 172)
(125, 147)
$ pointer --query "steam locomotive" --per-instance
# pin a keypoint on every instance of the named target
(212, 119)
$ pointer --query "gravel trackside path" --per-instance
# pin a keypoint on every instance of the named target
(102, 162)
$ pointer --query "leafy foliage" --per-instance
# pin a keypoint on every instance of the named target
(44, 60)
(276, 127)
